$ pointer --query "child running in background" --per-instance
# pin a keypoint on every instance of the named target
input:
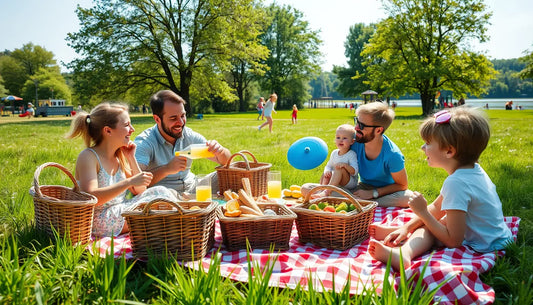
(107, 168)
(294, 114)
(267, 111)
(260, 107)
(341, 169)
(467, 211)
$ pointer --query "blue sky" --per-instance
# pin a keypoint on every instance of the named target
(47, 22)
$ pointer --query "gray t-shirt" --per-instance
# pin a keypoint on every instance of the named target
(154, 151)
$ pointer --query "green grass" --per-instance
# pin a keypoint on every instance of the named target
(35, 270)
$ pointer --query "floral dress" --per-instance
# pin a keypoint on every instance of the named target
(108, 220)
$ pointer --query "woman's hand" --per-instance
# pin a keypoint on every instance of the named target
(141, 179)
(129, 150)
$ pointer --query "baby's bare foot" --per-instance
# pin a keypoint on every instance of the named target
(321, 194)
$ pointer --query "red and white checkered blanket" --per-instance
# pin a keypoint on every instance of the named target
(292, 267)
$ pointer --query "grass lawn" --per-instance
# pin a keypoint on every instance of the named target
(34, 270)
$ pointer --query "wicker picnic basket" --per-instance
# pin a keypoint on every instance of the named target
(161, 227)
(334, 230)
(230, 175)
(262, 232)
(67, 211)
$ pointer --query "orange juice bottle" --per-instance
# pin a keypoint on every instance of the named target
(195, 151)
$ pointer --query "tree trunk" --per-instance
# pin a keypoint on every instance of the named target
(184, 92)
(428, 103)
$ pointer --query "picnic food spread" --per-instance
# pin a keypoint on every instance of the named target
(241, 203)
(295, 191)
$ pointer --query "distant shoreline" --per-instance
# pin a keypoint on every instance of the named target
(493, 103)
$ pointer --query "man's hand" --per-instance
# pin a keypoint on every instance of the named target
(177, 164)
(364, 194)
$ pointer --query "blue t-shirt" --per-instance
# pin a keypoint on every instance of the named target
(377, 172)
(154, 151)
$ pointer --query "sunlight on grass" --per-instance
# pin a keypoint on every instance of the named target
(34, 269)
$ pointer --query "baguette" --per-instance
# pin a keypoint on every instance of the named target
(247, 186)
(228, 195)
(249, 211)
(249, 201)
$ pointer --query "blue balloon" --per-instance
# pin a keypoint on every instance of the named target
(307, 153)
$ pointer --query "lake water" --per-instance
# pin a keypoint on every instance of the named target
(494, 103)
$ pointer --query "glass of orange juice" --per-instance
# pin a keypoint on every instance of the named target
(274, 184)
(203, 188)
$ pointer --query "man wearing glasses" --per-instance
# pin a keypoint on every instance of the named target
(382, 173)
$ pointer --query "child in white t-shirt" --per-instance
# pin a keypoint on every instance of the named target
(467, 211)
(341, 169)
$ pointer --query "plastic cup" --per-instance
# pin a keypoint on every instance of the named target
(274, 184)
(203, 188)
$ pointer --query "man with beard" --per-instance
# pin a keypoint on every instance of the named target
(156, 145)
(382, 173)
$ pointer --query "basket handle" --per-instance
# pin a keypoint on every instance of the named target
(147, 207)
(36, 186)
(241, 153)
(349, 196)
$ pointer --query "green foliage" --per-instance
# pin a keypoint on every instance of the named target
(527, 72)
(352, 78)
(13, 74)
(3, 90)
(422, 47)
(50, 84)
(23, 66)
(35, 269)
(294, 55)
(178, 45)
(325, 85)
(508, 82)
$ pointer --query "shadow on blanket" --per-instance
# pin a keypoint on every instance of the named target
(461, 266)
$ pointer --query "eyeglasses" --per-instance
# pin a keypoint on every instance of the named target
(442, 117)
(362, 125)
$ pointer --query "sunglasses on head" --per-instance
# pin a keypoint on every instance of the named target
(442, 117)
(362, 125)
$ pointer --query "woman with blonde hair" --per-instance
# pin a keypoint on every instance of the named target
(107, 168)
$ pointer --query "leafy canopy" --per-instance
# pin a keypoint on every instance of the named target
(351, 78)
(294, 55)
(423, 46)
(184, 46)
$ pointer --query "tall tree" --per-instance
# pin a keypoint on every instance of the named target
(294, 56)
(50, 85)
(21, 64)
(423, 47)
(247, 64)
(178, 45)
(351, 78)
